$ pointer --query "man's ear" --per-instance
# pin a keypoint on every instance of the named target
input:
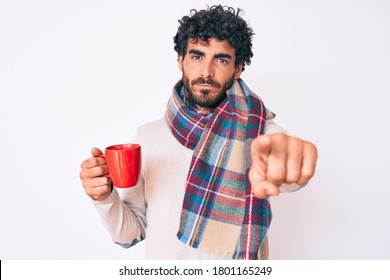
(180, 63)
(238, 71)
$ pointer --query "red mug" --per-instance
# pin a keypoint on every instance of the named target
(124, 164)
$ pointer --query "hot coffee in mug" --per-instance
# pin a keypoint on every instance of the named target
(124, 164)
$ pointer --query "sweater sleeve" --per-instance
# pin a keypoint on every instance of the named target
(123, 212)
(124, 218)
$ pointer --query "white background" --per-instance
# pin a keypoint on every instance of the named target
(79, 74)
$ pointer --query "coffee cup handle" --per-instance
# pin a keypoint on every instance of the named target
(108, 174)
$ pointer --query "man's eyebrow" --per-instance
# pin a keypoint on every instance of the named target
(223, 55)
(197, 52)
(219, 55)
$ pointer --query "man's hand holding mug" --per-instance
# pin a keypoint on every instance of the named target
(120, 165)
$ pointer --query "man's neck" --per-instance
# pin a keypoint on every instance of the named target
(204, 111)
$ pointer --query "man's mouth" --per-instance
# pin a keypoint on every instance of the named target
(206, 83)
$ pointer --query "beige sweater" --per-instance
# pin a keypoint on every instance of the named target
(152, 208)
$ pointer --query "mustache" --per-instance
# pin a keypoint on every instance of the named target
(203, 81)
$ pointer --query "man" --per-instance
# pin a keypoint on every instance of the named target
(210, 163)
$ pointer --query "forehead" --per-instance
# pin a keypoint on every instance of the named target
(211, 46)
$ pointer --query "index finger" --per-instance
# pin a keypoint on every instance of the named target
(261, 147)
(93, 162)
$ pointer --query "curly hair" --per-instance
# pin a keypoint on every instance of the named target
(218, 22)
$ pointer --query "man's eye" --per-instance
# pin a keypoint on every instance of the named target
(196, 57)
(223, 61)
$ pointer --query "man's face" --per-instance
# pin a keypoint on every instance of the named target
(208, 71)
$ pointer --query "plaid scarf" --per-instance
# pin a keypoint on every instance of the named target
(220, 213)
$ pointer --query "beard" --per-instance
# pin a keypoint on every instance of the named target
(205, 98)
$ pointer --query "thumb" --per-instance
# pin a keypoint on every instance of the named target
(258, 180)
(96, 152)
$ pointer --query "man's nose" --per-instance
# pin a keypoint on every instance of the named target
(207, 69)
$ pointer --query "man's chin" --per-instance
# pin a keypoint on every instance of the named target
(209, 97)
(207, 102)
